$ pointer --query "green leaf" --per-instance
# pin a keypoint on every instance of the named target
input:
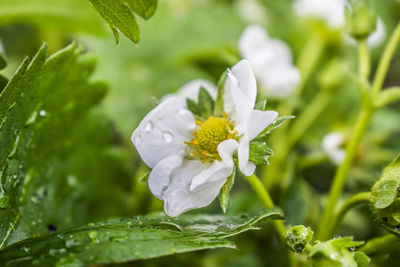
(52, 148)
(225, 190)
(124, 240)
(336, 253)
(3, 62)
(259, 152)
(145, 177)
(385, 199)
(119, 16)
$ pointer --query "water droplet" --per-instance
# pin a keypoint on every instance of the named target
(32, 118)
(91, 224)
(168, 136)
(54, 252)
(71, 180)
(93, 236)
(149, 126)
(4, 201)
(72, 243)
(42, 113)
(137, 140)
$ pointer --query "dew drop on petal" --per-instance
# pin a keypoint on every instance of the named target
(149, 126)
(137, 139)
(168, 136)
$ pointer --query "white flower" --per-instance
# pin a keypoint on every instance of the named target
(191, 160)
(331, 11)
(251, 11)
(271, 60)
(332, 144)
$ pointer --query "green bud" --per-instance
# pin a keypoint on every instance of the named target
(360, 19)
(298, 237)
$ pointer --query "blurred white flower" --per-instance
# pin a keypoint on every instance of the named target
(191, 160)
(331, 11)
(251, 11)
(332, 144)
(271, 60)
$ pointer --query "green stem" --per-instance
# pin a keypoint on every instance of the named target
(364, 65)
(352, 202)
(382, 244)
(267, 202)
(385, 61)
(339, 180)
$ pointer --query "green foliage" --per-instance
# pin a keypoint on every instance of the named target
(124, 240)
(360, 19)
(204, 107)
(337, 253)
(45, 184)
(119, 15)
(385, 197)
(275, 124)
(259, 152)
(298, 237)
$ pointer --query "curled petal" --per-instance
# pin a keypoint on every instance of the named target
(218, 169)
(178, 198)
(160, 176)
(245, 166)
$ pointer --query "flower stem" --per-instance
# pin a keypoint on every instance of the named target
(339, 180)
(364, 59)
(383, 244)
(267, 202)
(385, 61)
(352, 202)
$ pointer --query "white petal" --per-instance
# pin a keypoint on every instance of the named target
(218, 169)
(331, 144)
(378, 35)
(191, 90)
(163, 132)
(160, 175)
(245, 166)
(258, 121)
(247, 81)
(281, 81)
(178, 197)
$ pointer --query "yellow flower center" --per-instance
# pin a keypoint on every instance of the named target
(209, 135)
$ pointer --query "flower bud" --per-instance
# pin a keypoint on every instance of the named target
(360, 19)
(298, 237)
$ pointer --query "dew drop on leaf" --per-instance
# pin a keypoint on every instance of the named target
(42, 113)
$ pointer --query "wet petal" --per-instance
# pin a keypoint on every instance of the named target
(178, 198)
(160, 176)
(163, 132)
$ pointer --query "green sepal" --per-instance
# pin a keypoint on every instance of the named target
(225, 191)
(219, 102)
(3, 62)
(361, 259)
(145, 177)
(259, 152)
(204, 108)
(275, 124)
(261, 105)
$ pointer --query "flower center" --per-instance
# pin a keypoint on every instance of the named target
(209, 135)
